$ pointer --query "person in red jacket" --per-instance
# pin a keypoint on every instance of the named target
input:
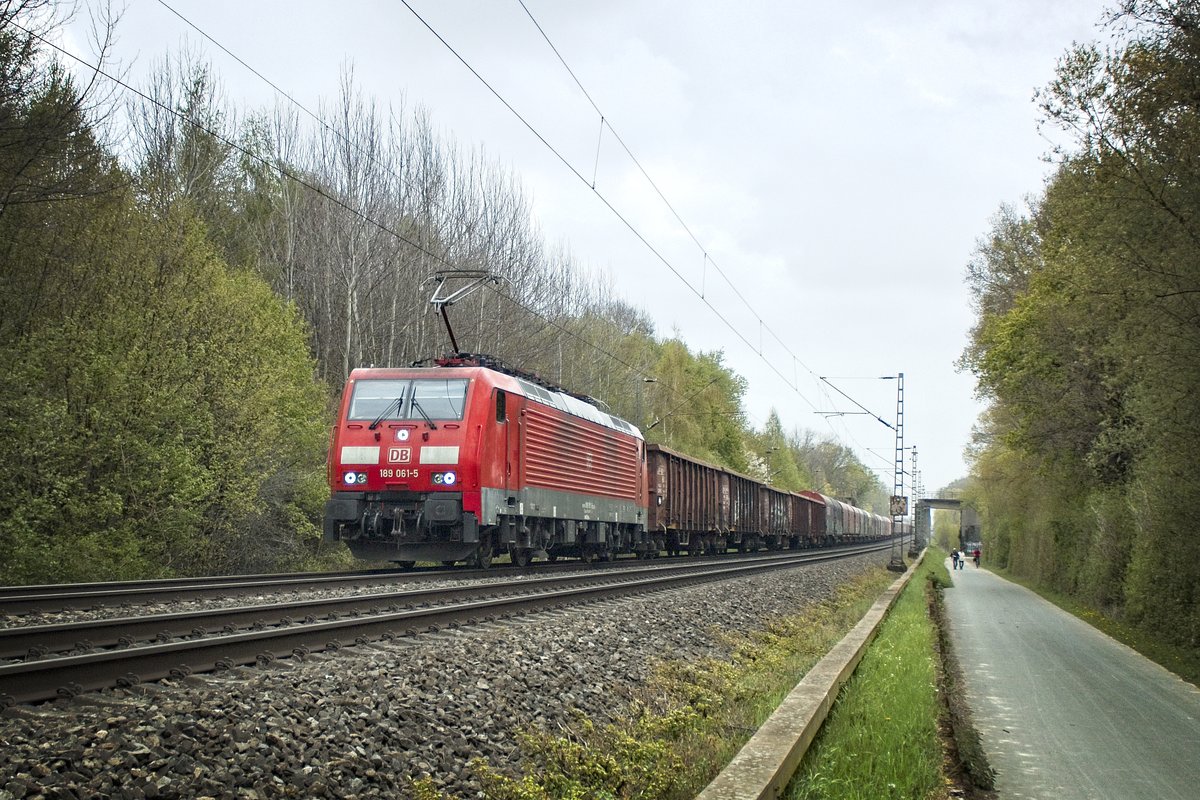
(976, 555)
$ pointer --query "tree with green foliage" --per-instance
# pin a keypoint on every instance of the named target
(162, 419)
(159, 412)
(48, 148)
(1088, 338)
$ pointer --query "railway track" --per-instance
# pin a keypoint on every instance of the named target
(128, 651)
(16, 601)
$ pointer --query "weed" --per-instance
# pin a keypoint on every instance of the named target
(690, 718)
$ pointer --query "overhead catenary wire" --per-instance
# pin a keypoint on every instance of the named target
(860, 405)
(366, 218)
(646, 175)
(573, 169)
(320, 121)
(275, 165)
(275, 87)
(603, 199)
(605, 122)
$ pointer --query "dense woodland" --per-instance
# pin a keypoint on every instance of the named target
(1088, 335)
(184, 286)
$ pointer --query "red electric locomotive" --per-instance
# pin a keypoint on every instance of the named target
(469, 458)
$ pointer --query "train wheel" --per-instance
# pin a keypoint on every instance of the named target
(406, 564)
(449, 563)
(521, 556)
(483, 555)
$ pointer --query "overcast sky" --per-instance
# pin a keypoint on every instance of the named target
(836, 161)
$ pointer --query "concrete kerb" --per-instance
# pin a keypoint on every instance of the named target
(762, 768)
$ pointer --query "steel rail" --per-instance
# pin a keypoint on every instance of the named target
(144, 583)
(44, 679)
(17, 600)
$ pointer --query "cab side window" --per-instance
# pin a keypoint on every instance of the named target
(501, 406)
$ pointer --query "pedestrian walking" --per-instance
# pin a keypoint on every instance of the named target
(953, 559)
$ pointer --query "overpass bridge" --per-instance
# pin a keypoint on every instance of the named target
(968, 527)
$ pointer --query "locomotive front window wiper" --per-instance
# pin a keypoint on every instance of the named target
(421, 409)
(396, 404)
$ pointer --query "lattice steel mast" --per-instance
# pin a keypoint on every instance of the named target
(898, 499)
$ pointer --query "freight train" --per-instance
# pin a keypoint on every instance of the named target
(469, 459)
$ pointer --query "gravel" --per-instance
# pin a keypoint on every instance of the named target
(365, 721)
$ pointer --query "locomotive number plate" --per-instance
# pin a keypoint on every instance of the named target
(399, 473)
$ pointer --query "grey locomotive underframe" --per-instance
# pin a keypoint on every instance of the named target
(432, 526)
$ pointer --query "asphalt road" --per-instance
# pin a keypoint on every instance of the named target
(1064, 711)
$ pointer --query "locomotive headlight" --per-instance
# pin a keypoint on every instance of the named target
(352, 478)
(444, 478)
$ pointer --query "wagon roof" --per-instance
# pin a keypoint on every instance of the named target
(726, 470)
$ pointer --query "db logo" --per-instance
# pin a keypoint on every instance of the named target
(399, 455)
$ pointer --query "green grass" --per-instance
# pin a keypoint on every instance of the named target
(881, 738)
(1183, 661)
(690, 719)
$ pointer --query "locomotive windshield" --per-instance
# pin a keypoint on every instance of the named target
(439, 398)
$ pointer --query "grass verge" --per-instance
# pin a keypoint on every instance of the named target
(684, 724)
(881, 739)
(966, 760)
(1183, 661)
